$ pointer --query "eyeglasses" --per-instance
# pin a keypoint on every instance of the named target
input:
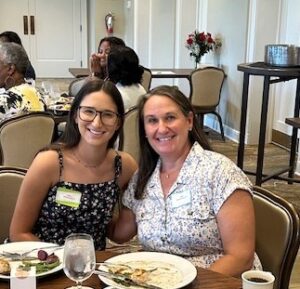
(107, 117)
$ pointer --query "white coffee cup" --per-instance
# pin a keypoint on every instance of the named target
(253, 279)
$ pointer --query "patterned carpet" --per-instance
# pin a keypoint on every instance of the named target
(275, 159)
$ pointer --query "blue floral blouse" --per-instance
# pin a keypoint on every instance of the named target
(184, 223)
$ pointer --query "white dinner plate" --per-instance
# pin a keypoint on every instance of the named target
(187, 269)
(21, 247)
(60, 107)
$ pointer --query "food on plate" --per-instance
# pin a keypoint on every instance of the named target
(47, 262)
(4, 267)
(42, 255)
(43, 263)
(41, 267)
(155, 273)
(58, 107)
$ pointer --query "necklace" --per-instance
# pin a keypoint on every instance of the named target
(83, 163)
(168, 175)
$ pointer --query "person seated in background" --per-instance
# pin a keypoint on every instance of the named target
(74, 185)
(186, 199)
(16, 96)
(125, 71)
(98, 61)
(10, 36)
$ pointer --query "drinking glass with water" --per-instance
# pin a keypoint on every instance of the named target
(79, 259)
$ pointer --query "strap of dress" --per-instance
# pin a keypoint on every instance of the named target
(118, 165)
(61, 162)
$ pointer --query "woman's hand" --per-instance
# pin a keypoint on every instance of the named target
(95, 66)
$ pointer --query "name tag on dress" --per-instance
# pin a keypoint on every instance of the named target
(68, 197)
(181, 198)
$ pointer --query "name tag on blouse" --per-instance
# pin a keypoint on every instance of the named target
(68, 197)
(181, 198)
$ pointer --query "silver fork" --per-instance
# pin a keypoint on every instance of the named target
(15, 255)
(111, 264)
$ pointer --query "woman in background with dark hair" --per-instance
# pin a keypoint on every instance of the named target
(10, 36)
(125, 71)
(74, 185)
(98, 61)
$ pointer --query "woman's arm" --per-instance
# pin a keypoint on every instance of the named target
(129, 167)
(236, 223)
(42, 174)
(123, 227)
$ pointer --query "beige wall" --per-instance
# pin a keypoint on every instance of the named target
(97, 11)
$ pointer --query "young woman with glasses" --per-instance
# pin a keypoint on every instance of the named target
(74, 185)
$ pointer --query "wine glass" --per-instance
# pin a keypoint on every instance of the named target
(79, 259)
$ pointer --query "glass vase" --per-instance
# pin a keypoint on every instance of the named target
(197, 62)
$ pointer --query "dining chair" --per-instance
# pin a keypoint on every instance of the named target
(23, 135)
(129, 136)
(277, 235)
(146, 79)
(10, 182)
(76, 85)
(206, 85)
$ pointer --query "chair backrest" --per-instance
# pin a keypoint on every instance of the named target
(22, 136)
(206, 86)
(76, 85)
(146, 79)
(10, 182)
(129, 137)
(277, 235)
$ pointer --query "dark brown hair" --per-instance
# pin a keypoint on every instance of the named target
(148, 157)
(71, 136)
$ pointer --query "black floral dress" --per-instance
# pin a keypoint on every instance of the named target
(95, 209)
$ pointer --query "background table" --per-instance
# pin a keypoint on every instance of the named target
(205, 279)
(279, 74)
(156, 72)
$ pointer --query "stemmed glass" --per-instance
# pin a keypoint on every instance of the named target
(79, 259)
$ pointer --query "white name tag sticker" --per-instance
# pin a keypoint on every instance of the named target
(181, 199)
(68, 197)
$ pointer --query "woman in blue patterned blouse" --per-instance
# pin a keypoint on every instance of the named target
(186, 199)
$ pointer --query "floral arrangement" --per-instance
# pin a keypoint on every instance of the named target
(200, 43)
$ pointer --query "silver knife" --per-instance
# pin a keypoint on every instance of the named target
(126, 281)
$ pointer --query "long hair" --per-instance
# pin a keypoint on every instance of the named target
(148, 157)
(71, 135)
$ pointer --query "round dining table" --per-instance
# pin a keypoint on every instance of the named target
(206, 279)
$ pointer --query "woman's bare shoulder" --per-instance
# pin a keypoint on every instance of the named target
(47, 155)
(128, 160)
(45, 160)
(129, 166)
